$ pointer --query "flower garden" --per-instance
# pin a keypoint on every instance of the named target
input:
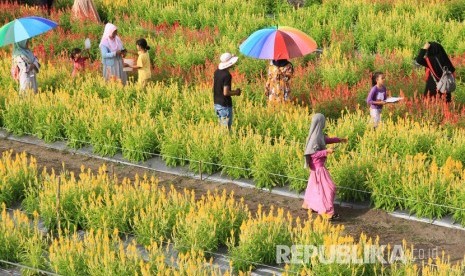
(413, 162)
(109, 211)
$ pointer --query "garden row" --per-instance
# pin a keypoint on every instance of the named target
(336, 79)
(405, 25)
(109, 210)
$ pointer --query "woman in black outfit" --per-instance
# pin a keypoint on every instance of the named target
(436, 55)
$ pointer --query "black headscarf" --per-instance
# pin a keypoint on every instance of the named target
(281, 62)
(437, 53)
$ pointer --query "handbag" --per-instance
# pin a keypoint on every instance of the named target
(446, 83)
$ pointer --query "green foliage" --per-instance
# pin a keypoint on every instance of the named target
(157, 219)
(269, 166)
(204, 147)
(48, 123)
(139, 140)
(238, 155)
(350, 172)
(18, 117)
(105, 135)
(258, 239)
(456, 10)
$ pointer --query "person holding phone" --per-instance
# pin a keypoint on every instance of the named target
(112, 50)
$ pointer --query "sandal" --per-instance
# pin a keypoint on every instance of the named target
(334, 217)
(308, 209)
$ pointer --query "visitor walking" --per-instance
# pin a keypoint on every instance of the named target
(377, 97)
(278, 84)
(25, 66)
(222, 90)
(321, 190)
(434, 58)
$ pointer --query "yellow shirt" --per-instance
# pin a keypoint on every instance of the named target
(145, 72)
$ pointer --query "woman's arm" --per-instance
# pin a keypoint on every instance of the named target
(333, 140)
(420, 59)
(371, 95)
(139, 64)
(106, 52)
(36, 64)
(321, 153)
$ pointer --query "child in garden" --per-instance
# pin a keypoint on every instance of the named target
(377, 97)
(143, 62)
(321, 190)
(79, 61)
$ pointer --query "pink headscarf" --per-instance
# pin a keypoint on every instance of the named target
(112, 44)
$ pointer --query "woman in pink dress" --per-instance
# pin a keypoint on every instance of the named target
(321, 190)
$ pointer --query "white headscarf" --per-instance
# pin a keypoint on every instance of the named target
(316, 137)
(112, 44)
(20, 50)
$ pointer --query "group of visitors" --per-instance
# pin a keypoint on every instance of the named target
(25, 64)
(321, 190)
(320, 193)
(113, 54)
(278, 88)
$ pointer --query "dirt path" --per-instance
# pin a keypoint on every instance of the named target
(428, 239)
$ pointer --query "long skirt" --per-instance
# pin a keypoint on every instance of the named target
(27, 81)
(320, 192)
(116, 71)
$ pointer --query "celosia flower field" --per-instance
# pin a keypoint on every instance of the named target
(106, 211)
(414, 161)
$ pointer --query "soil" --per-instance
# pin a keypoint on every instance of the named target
(428, 240)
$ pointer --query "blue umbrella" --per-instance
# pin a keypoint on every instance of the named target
(24, 28)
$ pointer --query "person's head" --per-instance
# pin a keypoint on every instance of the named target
(75, 53)
(24, 44)
(114, 34)
(227, 60)
(111, 31)
(281, 62)
(377, 78)
(142, 45)
(435, 49)
(316, 137)
(21, 48)
(318, 120)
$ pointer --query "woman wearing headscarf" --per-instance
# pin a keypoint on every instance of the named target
(433, 57)
(321, 190)
(26, 66)
(278, 84)
(112, 49)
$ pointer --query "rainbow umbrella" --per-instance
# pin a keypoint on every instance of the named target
(278, 43)
(24, 28)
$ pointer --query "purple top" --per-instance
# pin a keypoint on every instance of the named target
(318, 159)
(376, 94)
